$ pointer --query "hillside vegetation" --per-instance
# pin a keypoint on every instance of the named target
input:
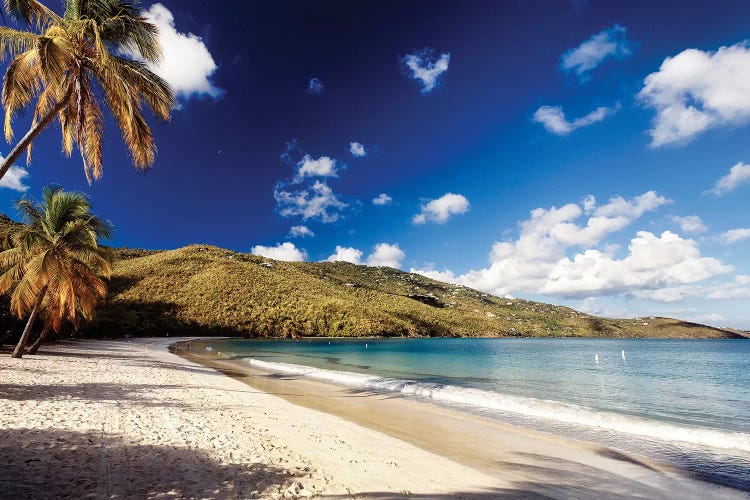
(204, 290)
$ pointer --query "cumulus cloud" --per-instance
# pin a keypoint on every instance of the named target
(322, 167)
(282, 251)
(314, 199)
(734, 235)
(314, 202)
(554, 120)
(653, 262)
(633, 208)
(14, 179)
(346, 254)
(387, 255)
(737, 176)
(590, 305)
(730, 290)
(357, 150)
(382, 199)
(186, 63)
(432, 273)
(697, 90)
(612, 42)
(300, 232)
(314, 86)
(690, 224)
(425, 68)
(539, 261)
(709, 318)
(441, 209)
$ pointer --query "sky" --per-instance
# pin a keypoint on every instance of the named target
(594, 154)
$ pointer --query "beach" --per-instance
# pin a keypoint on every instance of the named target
(107, 419)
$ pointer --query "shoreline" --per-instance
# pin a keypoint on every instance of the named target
(460, 436)
(130, 419)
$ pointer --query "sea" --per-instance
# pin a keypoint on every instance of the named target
(684, 402)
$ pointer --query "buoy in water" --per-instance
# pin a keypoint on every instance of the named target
(623, 354)
(596, 358)
(365, 346)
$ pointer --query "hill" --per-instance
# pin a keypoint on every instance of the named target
(204, 290)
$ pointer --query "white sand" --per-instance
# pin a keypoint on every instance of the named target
(128, 419)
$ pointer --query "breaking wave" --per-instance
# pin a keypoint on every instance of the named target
(530, 407)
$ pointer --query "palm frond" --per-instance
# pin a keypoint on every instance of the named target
(60, 65)
(14, 42)
(31, 11)
(22, 82)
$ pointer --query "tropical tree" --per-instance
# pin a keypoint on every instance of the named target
(53, 261)
(57, 64)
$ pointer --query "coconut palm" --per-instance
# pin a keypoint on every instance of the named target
(57, 64)
(54, 262)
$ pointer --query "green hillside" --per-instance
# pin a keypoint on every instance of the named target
(204, 290)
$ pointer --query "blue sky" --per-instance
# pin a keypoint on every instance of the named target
(593, 154)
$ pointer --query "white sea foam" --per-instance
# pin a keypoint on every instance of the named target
(531, 407)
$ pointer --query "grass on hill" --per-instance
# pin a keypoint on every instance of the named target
(204, 290)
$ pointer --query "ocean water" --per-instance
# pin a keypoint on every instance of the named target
(686, 402)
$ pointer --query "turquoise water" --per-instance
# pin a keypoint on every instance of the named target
(683, 401)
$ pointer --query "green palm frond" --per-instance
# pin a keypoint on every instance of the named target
(57, 252)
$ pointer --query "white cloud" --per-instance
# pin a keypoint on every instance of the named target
(698, 90)
(734, 235)
(315, 202)
(554, 120)
(432, 273)
(709, 318)
(730, 290)
(669, 294)
(382, 199)
(386, 255)
(357, 149)
(440, 209)
(653, 262)
(738, 175)
(186, 63)
(425, 68)
(346, 254)
(314, 86)
(611, 42)
(588, 204)
(633, 208)
(590, 305)
(538, 261)
(322, 167)
(690, 224)
(282, 251)
(300, 232)
(14, 179)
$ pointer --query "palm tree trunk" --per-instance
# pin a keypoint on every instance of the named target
(42, 337)
(30, 136)
(18, 352)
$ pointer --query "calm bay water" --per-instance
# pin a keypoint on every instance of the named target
(682, 401)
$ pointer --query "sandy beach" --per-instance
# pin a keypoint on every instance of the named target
(106, 419)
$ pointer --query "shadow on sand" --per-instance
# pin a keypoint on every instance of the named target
(54, 463)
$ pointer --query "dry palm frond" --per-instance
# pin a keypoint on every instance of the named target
(60, 63)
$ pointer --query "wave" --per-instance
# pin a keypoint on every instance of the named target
(530, 407)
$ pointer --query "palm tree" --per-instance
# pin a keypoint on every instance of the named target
(54, 262)
(57, 64)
